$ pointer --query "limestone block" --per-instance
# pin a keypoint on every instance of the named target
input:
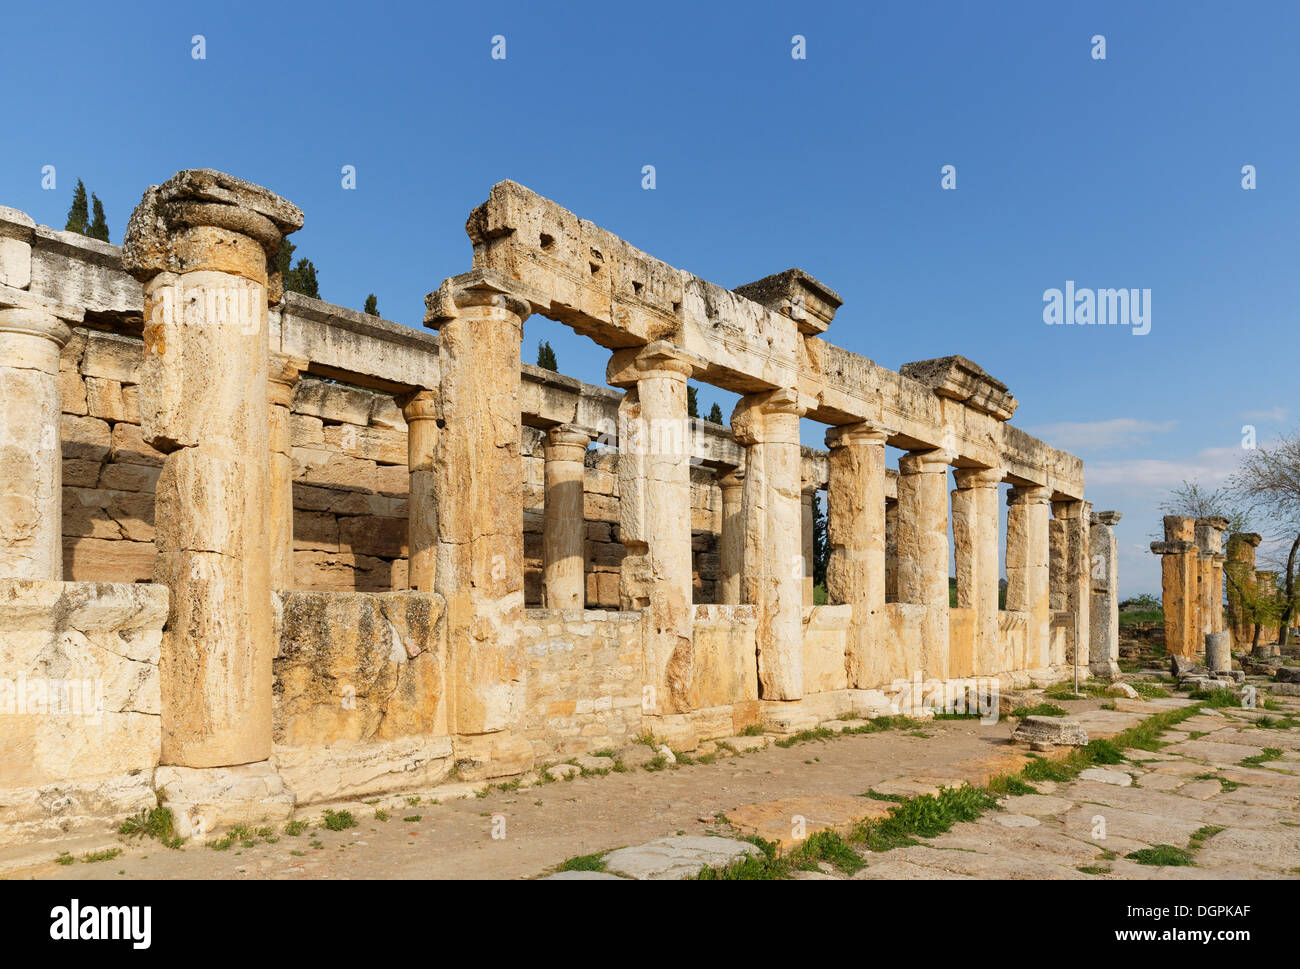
(97, 560)
(85, 438)
(128, 447)
(1050, 730)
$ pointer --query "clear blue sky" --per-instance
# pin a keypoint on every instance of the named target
(1117, 173)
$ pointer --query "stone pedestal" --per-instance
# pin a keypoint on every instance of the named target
(731, 547)
(855, 574)
(421, 412)
(975, 534)
(767, 425)
(478, 493)
(1103, 611)
(203, 244)
(654, 479)
(1028, 567)
(31, 459)
(283, 378)
(923, 554)
(563, 526)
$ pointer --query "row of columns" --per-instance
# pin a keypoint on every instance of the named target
(1191, 579)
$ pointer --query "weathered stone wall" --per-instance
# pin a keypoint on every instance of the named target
(80, 719)
(584, 680)
(360, 695)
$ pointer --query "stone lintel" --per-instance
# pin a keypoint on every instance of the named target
(1106, 517)
(1172, 548)
(963, 380)
(793, 293)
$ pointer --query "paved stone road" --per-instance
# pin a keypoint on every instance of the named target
(1153, 798)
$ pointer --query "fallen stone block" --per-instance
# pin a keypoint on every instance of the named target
(1061, 731)
(677, 858)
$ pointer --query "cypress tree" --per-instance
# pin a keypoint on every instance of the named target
(98, 225)
(821, 545)
(715, 415)
(372, 305)
(546, 357)
(79, 213)
(302, 279)
(692, 402)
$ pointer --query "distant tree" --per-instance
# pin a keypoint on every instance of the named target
(98, 224)
(372, 305)
(302, 279)
(1190, 499)
(546, 357)
(692, 402)
(821, 543)
(1268, 481)
(284, 258)
(715, 415)
(79, 213)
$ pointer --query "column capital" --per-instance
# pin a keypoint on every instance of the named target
(1105, 517)
(1172, 548)
(479, 289)
(562, 439)
(968, 478)
(283, 373)
(925, 462)
(1217, 522)
(751, 424)
(729, 478)
(863, 432)
(184, 225)
(1179, 528)
(1072, 508)
(1029, 495)
(421, 405)
(657, 359)
(34, 322)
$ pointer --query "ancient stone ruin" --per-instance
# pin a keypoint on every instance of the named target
(1191, 581)
(262, 552)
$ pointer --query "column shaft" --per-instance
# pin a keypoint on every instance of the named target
(923, 554)
(1075, 581)
(563, 525)
(283, 378)
(1103, 614)
(855, 574)
(732, 545)
(31, 458)
(421, 411)
(975, 533)
(1028, 565)
(654, 478)
(767, 425)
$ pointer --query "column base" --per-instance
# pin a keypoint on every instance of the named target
(483, 756)
(33, 816)
(1106, 669)
(203, 799)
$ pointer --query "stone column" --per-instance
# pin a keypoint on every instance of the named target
(767, 425)
(654, 480)
(1103, 611)
(923, 553)
(1028, 565)
(283, 378)
(891, 549)
(975, 533)
(31, 458)
(731, 482)
(564, 525)
(807, 495)
(1179, 569)
(1071, 520)
(478, 494)
(855, 574)
(1209, 543)
(1239, 569)
(422, 412)
(204, 244)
